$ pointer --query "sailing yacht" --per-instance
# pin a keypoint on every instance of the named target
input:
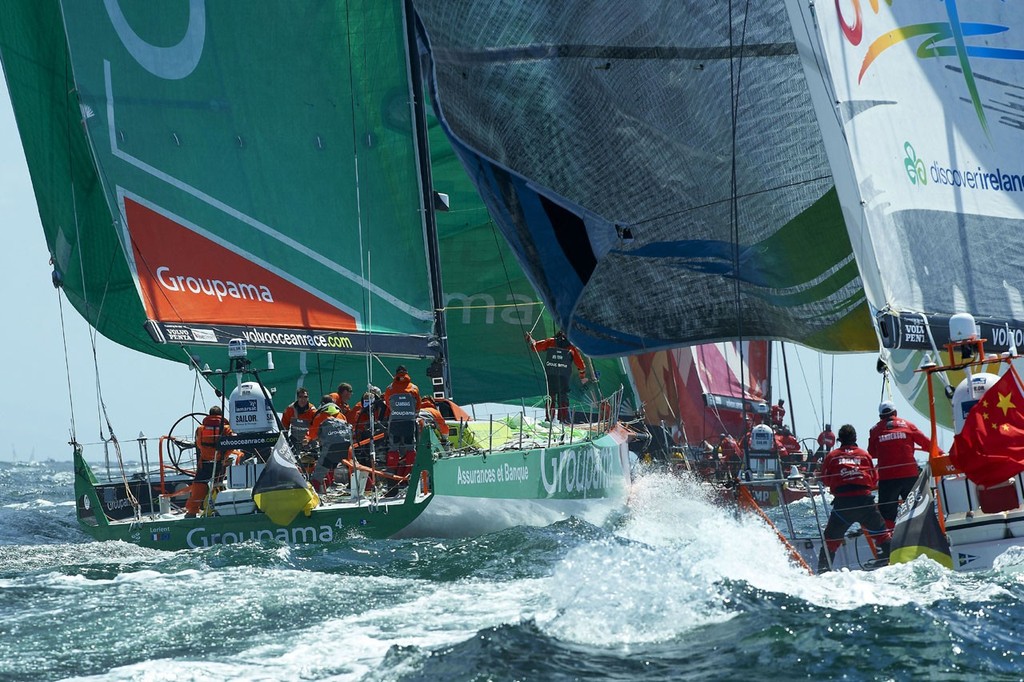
(211, 178)
(841, 175)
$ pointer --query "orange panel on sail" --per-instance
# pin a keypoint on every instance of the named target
(186, 277)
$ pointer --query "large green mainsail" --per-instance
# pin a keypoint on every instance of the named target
(252, 171)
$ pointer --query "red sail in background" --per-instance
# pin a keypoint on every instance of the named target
(698, 391)
(186, 277)
(990, 446)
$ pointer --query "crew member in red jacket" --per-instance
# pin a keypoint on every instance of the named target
(778, 414)
(851, 477)
(826, 439)
(729, 452)
(891, 443)
(558, 370)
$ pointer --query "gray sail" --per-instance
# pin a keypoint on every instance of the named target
(658, 171)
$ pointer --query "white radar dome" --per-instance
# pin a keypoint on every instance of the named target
(962, 327)
(251, 411)
(967, 394)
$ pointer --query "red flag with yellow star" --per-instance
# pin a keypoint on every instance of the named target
(990, 446)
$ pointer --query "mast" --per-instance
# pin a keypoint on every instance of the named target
(439, 370)
(789, 389)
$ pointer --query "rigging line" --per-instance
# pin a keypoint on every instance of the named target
(496, 306)
(72, 91)
(67, 366)
(832, 391)
(101, 408)
(735, 73)
(534, 363)
(369, 323)
(364, 253)
(789, 387)
(803, 376)
(319, 374)
(822, 69)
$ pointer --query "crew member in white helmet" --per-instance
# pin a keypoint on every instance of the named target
(891, 443)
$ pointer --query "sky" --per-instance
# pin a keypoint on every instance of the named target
(143, 394)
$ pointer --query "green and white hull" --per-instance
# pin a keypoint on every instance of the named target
(489, 491)
(337, 519)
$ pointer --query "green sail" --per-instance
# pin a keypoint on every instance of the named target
(289, 145)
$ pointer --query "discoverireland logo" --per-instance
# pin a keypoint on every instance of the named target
(915, 166)
(920, 174)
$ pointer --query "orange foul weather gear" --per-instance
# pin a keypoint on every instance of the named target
(402, 399)
(297, 420)
(208, 436)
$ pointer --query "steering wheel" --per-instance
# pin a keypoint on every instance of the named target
(181, 442)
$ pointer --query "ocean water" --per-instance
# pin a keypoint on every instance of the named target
(680, 589)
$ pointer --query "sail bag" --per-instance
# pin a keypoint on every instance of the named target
(281, 492)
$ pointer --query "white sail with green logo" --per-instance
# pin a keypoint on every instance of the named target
(919, 102)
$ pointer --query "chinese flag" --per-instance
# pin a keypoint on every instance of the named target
(990, 447)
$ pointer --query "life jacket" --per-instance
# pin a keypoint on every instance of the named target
(402, 407)
(301, 420)
(333, 431)
(558, 361)
(208, 436)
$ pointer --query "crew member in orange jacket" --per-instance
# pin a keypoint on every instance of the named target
(891, 442)
(557, 369)
(851, 477)
(321, 414)
(368, 418)
(429, 408)
(298, 417)
(332, 431)
(211, 460)
(402, 399)
(341, 398)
